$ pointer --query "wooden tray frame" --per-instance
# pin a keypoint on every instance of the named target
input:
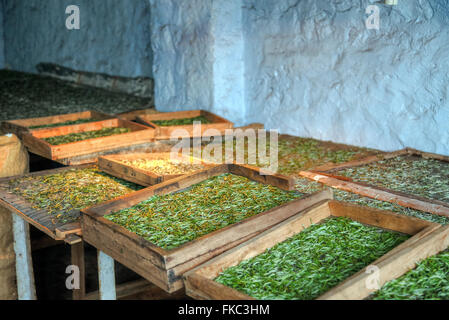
(18, 127)
(427, 239)
(111, 164)
(325, 175)
(165, 268)
(164, 132)
(35, 143)
(39, 218)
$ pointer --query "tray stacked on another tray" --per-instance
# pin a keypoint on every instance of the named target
(88, 138)
(18, 127)
(167, 229)
(410, 178)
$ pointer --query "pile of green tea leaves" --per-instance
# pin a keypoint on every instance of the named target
(428, 281)
(25, 95)
(174, 219)
(66, 123)
(310, 263)
(63, 194)
(296, 154)
(181, 122)
(418, 176)
(80, 136)
(383, 205)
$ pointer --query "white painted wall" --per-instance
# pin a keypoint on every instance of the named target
(313, 69)
(199, 56)
(306, 67)
(183, 54)
(2, 39)
(114, 38)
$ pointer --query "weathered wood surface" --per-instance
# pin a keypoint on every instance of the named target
(20, 126)
(34, 140)
(165, 268)
(77, 259)
(427, 239)
(218, 124)
(40, 219)
(106, 277)
(24, 266)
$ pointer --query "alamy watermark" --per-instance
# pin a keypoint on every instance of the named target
(372, 282)
(373, 20)
(72, 282)
(73, 21)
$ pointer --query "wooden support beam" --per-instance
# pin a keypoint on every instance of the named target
(77, 252)
(106, 277)
(24, 265)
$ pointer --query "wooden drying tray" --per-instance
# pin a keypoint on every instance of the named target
(18, 127)
(163, 267)
(35, 143)
(112, 165)
(427, 239)
(40, 218)
(327, 176)
(164, 132)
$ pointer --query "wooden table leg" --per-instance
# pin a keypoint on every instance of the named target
(106, 277)
(77, 251)
(24, 264)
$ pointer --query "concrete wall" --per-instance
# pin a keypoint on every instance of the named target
(2, 39)
(314, 69)
(114, 37)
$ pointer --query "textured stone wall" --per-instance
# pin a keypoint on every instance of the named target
(313, 69)
(183, 54)
(114, 37)
(2, 39)
(199, 56)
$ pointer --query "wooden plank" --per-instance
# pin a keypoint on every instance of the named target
(257, 174)
(70, 228)
(378, 218)
(428, 155)
(218, 124)
(200, 283)
(376, 193)
(77, 258)
(24, 266)
(35, 143)
(106, 277)
(165, 268)
(123, 291)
